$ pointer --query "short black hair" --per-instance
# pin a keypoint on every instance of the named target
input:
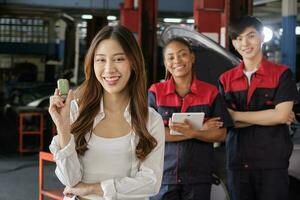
(238, 25)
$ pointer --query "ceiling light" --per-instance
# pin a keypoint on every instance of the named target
(268, 34)
(172, 20)
(297, 30)
(111, 17)
(190, 21)
(87, 16)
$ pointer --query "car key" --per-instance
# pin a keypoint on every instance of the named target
(63, 86)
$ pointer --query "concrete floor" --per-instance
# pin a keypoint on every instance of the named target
(19, 177)
(19, 174)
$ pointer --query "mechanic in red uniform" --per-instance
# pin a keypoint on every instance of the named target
(260, 97)
(189, 163)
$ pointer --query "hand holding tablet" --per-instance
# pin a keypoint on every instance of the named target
(196, 120)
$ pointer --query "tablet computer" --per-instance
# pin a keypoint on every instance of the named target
(196, 118)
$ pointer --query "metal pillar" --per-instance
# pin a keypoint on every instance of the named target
(147, 36)
(61, 39)
(288, 39)
(240, 7)
(69, 47)
(129, 15)
(207, 15)
(224, 41)
(141, 18)
(93, 27)
(212, 17)
(76, 57)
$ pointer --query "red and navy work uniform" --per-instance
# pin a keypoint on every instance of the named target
(188, 164)
(258, 156)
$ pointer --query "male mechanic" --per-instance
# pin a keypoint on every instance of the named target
(259, 95)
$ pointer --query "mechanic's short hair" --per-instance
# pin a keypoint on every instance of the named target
(238, 25)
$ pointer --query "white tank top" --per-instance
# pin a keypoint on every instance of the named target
(107, 158)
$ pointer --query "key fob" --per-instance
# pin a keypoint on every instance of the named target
(63, 86)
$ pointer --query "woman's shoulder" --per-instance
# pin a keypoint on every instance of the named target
(155, 124)
(153, 114)
(154, 117)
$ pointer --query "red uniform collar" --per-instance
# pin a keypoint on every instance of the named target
(262, 69)
(172, 89)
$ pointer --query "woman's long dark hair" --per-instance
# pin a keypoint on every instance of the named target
(90, 92)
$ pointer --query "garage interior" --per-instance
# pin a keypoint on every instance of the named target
(44, 40)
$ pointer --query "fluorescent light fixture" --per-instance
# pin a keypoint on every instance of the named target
(268, 34)
(172, 20)
(297, 30)
(87, 16)
(190, 21)
(111, 17)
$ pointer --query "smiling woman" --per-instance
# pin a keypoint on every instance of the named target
(111, 66)
(109, 145)
(188, 158)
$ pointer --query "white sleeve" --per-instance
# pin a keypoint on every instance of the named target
(68, 167)
(147, 180)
